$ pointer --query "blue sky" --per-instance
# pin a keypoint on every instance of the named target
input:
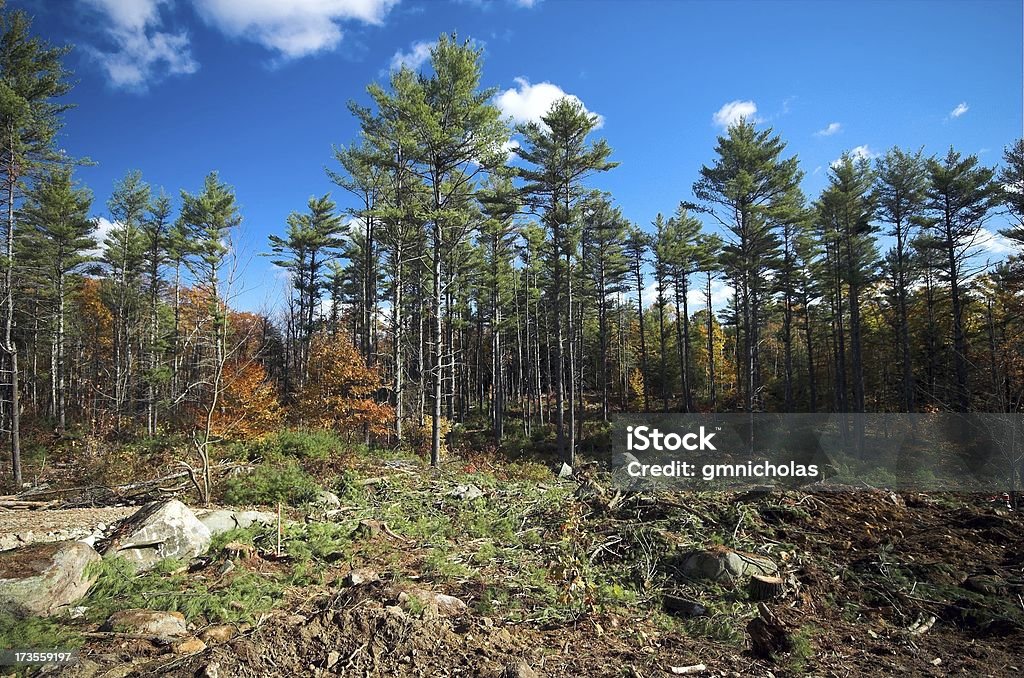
(257, 89)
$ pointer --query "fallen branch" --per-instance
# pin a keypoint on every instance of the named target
(688, 670)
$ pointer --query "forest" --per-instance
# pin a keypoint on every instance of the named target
(468, 297)
(479, 279)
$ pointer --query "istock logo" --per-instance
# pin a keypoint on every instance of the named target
(641, 438)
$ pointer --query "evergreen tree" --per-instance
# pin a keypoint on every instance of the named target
(560, 158)
(747, 182)
(900, 193)
(60, 240)
(31, 109)
(960, 198)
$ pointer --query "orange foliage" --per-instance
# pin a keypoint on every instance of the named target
(340, 393)
(96, 318)
(249, 404)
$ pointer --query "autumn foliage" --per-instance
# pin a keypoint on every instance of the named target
(249, 403)
(341, 390)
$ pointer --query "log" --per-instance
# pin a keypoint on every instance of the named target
(688, 670)
(762, 587)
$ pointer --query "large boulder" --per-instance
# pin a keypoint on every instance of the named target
(159, 530)
(724, 564)
(39, 579)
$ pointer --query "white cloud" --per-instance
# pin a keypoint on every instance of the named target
(832, 128)
(960, 109)
(994, 244)
(526, 3)
(729, 114)
(857, 153)
(527, 103)
(144, 51)
(103, 228)
(418, 54)
(696, 296)
(295, 28)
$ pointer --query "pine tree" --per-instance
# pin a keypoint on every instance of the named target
(60, 240)
(960, 197)
(749, 180)
(34, 80)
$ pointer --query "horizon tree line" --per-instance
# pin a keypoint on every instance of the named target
(482, 274)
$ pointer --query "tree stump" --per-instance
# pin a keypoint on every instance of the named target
(763, 587)
(769, 635)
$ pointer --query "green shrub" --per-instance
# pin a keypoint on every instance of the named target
(270, 484)
(292, 444)
(36, 633)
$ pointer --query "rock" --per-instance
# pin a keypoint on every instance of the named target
(39, 579)
(211, 670)
(222, 520)
(519, 669)
(189, 646)
(620, 460)
(159, 530)
(565, 471)
(327, 499)
(359, 576)
(724, 564)
(221, 633)
(683, 607)
(333, 657)
(368, 528)
(218, 522)
(466, 492)
(148, 623)
(434, 604)
(246, 519)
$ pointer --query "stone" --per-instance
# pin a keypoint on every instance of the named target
(466, 492)
(622, 460)
(38, 580)
(565, 471)
(519, 669)
(359, 576)
(246, 519)
(159, 530)
(327, 499)
(147, 623)
(189, 646)
(683, 607)
(333, 657)
(221, 633)
(219, 521)
(724, 564)
(434, 604)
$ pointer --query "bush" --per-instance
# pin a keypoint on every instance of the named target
(292, 444)
(270, 484)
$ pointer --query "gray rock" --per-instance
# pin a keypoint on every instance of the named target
(246, 519)
(466, 492)
(327, 499)
(39, 579)
(159, 530)
(723, 564)
(219, 521)
(565, 471)
(148, 623)
(622, 460)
